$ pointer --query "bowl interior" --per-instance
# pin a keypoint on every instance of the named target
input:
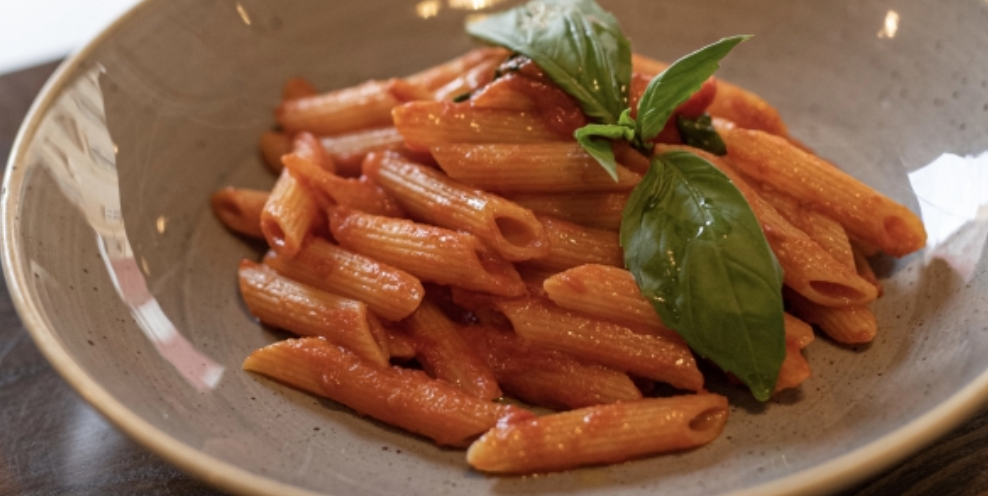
(128, 282)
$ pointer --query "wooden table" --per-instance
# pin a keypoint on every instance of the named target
(52, 442)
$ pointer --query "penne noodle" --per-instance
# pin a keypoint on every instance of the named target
(288, 215)
(400, 345)
(379, 333)
(596, 210)
(430, 253)
(600, 434)
(307, 311)
(605, 292)
(273, 145)
(389, 292)
(424, 124)
(647, 355)
(548, 378)
(348, 150)
(826, 232)
(297, 87)
(444, 353)
(427, 194)
(610, 293)
(435, 77)
(854, 324)
(530, 168)
(864, 269)
(239, 209)
(571, 245)
(809, 269)
(798, 333)
(510, 91)
(405, 398)
(794, 370)
(863, 212)
(361, 194)
(477, 77)
(306, 146)
(350, 109)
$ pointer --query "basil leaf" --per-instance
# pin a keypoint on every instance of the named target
(595, 139)
(677, 83)
(699, 256)
(700, 133)
(576, 43)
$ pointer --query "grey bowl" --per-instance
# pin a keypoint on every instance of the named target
(127, 282)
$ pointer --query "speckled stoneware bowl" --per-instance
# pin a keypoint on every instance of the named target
(128, 285)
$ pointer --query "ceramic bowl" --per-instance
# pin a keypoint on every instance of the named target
(128, 285)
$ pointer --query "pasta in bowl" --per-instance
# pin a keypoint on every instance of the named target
(187, 260)
(349, 255)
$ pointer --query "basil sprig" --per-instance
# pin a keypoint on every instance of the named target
(699, 256)
(700, 133)
(579, 45)
(690, 239)
(673, 86)
(664, 93)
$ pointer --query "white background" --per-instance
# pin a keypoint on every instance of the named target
(37, 31)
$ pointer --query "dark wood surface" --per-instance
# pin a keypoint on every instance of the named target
(54, 443)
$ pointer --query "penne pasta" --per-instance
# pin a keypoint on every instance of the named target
(390, 292)
(239, 209)
(864, 269)
(273, 145)
(443, 352)
(795, 370)
(430, 253)
(307, 311)
(435, 77)
(596, 210)
(530, 168)
(288, 215)
(297, 87)
(600, 434)
(647, 355)
(473, 79)
(348, 150)
(512, 231)
(545, 377)
(351, 109)
(571, 245)
(823, 230)
(798, 333)
(361, 194)
(853, 324)
(405, 398)
(425, 124)
(864, 212)
(610, 293)
(605, 292)
(400, 345)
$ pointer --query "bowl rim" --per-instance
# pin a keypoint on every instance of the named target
(830, 476)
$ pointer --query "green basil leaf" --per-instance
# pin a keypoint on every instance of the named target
(596, 140)
(577, 44)
(699, 256)
(677, 83)
(700, 133)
